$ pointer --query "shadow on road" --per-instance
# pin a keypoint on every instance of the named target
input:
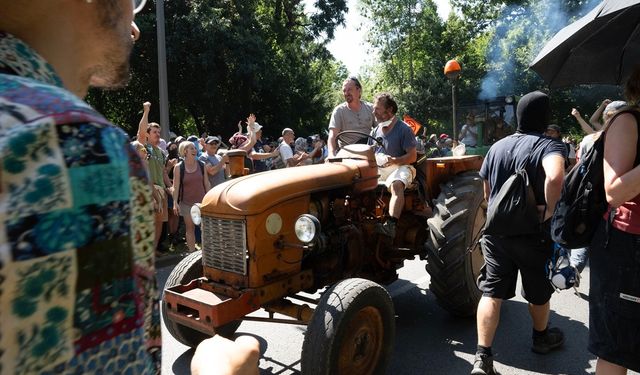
(431, 341)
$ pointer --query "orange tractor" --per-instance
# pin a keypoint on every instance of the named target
(268, 237)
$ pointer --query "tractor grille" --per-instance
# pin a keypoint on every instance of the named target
(224, 244)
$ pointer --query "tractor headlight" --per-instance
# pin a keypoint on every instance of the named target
(196, 217)
(307, 228)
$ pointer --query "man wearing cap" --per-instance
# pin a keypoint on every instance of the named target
(149, 135)
(506, 256)
(215, 165)
(353, 114)
(394, 159)
(261, 151)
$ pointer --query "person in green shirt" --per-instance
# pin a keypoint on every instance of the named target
(149, 135)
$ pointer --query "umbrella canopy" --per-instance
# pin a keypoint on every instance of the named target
(600, 48)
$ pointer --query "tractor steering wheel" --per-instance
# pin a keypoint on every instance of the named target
(341, 142)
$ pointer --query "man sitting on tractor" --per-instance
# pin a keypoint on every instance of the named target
(394, 157)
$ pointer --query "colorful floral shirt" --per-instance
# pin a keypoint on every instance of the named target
(77, 280)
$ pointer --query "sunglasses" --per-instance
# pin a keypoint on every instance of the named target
(138, 5)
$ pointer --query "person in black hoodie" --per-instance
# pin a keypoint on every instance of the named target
(505, 256)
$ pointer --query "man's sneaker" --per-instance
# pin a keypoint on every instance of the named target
(483, 365)
(553, 339)
(387, 229)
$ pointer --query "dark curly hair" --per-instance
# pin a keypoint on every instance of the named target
(388, 101)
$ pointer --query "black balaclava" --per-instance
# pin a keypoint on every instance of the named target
(534, 113)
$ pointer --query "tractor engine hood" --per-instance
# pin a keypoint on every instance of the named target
(253, 194)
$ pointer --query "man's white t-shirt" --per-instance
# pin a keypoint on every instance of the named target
(286, 152)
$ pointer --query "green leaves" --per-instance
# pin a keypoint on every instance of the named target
(229, 58)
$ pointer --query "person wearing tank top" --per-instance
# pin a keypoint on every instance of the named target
(194, 187)
(614, 290)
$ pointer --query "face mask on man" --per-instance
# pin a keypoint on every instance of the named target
(384, 124)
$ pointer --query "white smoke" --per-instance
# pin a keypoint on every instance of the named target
(519, 34)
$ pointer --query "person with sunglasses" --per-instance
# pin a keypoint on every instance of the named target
(215, 165)
(77, 272)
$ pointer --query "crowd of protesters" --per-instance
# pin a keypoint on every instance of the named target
(183, 168)
(81, 219)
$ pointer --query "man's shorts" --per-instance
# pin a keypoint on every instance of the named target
(505, 256)
(162, 213)
(614, 297)
(404, 173)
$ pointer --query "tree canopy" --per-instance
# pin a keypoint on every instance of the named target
(227, 59)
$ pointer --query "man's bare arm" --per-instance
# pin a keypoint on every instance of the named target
(583, 124)
(144, 123)
(486, 189)
(410, 157)
(553, 166)
(332, 146)
(597, 115)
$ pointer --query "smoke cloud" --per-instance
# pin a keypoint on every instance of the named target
(519, 35)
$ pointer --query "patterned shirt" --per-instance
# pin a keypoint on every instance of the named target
(77, 280)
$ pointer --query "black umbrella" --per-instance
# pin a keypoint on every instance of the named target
(602, 47)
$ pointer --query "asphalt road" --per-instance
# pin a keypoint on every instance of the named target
(428, 339)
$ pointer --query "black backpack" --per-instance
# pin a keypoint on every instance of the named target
(513, 211)
(583, 202)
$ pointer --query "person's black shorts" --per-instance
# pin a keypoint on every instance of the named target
(505, 256)
(614, 298)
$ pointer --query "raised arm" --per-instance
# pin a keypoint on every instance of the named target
(597, 115)
(248, 145)
(144, 123)
(583, 124)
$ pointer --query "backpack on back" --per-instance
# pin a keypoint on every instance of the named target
(583, 202)
(514, 211)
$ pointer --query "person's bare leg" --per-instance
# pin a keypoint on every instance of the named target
(190, 233)
(172, 224)
(397, 199)
(488, 317)
(158, 227)
(604, 367)
(540, 316)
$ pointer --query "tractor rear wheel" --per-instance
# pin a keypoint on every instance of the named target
(454, 256)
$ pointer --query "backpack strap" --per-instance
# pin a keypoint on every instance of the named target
(181, 189)
(201, 166)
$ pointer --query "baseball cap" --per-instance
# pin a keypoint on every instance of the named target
(211, 139)
(614, 106)
(192, 138)
(443, 136)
